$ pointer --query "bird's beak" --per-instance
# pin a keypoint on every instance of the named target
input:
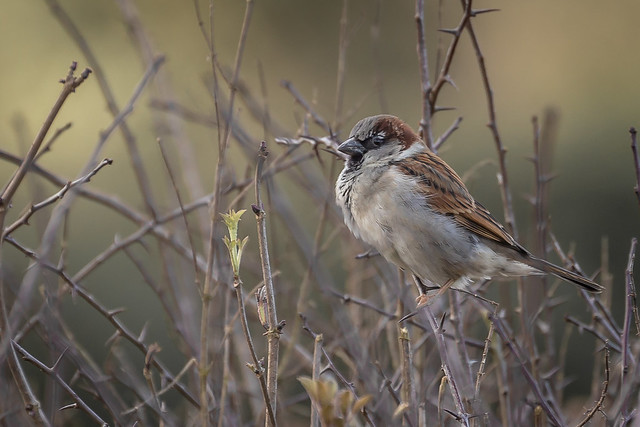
(352, 147)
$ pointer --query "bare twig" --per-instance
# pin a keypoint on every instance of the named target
(257, 366)
(52, 372)
(605, 386)
(636, 160)
(447, 367)
(223, 143)
(317, 359)
(446, 134)
(425, 122)
(47, 146)
(109, 315)
(24, 218)
(306, 106)
(592, 330)
(505, 191)
(483, 361)
(336, 371)
(275, 329)
(342, 64)
(629, 308)
(408, 385)
(69, 85)
(444, 77)
(547, 404)
(170, 385)
(136, 160)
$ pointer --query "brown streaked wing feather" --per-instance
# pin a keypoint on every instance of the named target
(448, 195)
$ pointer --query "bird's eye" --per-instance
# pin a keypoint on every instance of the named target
(377, 140)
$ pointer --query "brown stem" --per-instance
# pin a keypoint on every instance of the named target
(636, 160)
(275, 329)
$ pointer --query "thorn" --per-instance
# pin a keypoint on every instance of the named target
(115, 311)
(476, 12)
(452, 31)
(453, 414)
(112, 338)
(449, 80)
(440, 326)
(437, 109)
(73, 405)
(407, 317)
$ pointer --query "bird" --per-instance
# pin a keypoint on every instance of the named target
(413, 208)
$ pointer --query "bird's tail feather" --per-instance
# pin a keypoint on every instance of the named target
(547, 267)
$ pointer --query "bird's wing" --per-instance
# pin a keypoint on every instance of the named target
(448, 195)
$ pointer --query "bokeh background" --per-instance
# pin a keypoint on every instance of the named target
(578, 59)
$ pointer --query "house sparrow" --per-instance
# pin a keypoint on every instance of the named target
(405, 201)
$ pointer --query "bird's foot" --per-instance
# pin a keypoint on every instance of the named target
(424, 299)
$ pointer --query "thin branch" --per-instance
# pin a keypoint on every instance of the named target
(462, 414)
(47, 146)
(636, 160)
(257, 366)
(446, 134)
(603, 395)
(174, 184)
(306, 106)
(223, 143)
(483, 361)
(629, 308)
(592, 330)
(52, 372)
(444, 77)
(505, 191)
(170, 385)
(547, 404)
(69, 85)
(275, 328)
(336, 371)
(136, 160)
(342, 61)
(317, 360)
(109, 315)
(24, 218)
(408, 385)
(425, 122)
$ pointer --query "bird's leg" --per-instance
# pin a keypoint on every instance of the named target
(423, 299)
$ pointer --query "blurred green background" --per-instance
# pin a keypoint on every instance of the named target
(579, 58)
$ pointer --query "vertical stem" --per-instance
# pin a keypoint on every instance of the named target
(447, 367)
(629, 304)
(273, 334)
(408, 394)
(636, 160)
(426, 132)
(342, 61)
(317, 358)
(223, 142)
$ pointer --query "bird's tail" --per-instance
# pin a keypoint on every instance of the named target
(547, 267)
